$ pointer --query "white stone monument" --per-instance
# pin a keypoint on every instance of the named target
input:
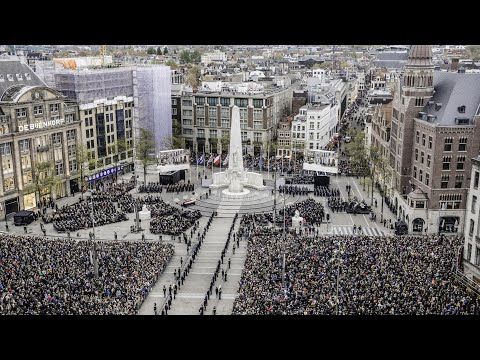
(145, 214)
(297, 221)
(235, 177)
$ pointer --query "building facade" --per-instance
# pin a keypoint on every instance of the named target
(433, 132)
(38, 124)
(471, 249)
(206, 117)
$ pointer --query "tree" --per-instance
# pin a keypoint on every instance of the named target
(358, 154)
(117, 147)
(44, 179)
(473, 51)
(165, 50)
(85, 165)
(151, 51)
(185, 57)
(145, 150)
(324, 65)
(172, 64)
(159, 51)
(194, 75)
(225, 143)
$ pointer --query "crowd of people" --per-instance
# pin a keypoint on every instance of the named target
(57, 277)
(312, 212)
(377, 275)
(325, 191)
(156, 187)
(293, 190)
(300, 179)
(351, 168)
(99, 206)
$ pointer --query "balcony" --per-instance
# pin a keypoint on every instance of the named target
(5, 118)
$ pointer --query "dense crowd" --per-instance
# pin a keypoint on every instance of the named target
(350, 168)
(293, 190)
(156, 187)
(312, 212)
(300, 179)
(56, 276)
(99, 206)
(378, 275)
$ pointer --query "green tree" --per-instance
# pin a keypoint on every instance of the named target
(165, 50)
(195, 57)
(145, 150)
(151, 51)
(172, 64)
(159, 51)
(85, 165)
(473, 52)
(358, 153)
(194, 75)
(225, 143)
(185, 57)
(117, 148)
(44, 180)
(324, 65)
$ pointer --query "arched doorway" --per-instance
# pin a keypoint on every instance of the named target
(418, 225)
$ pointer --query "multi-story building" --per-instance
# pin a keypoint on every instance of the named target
(217, 55)
(38, 124)
(298, 132)
(206, 117)
(106, 113)
(381, 124)
(321, 125)
(433, 132)
(471, 249)
(283, 137)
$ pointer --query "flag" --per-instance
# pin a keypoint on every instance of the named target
(210, 159)
(200, 161)
(225, 162)
(216, 162)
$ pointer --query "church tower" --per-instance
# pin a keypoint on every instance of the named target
(414, 89)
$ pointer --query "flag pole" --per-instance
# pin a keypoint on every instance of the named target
(204, 159)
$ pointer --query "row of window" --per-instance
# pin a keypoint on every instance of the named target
(37, 110)
(477, 254)
(460, 162)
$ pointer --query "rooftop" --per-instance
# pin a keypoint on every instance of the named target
(452, 91)
(14, 72)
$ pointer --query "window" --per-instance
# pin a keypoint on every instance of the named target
(21, 112)
(199, 100)
(461, 162)
(213, 122)
(8, 184)
(420, 204)
(213, 134)
(59, 168)
(258, 124)
(461, 109)
(444, 183)
(187, 121)
(201, 111)
(257, 114)
(462, 146)
(212, 112)
(416, 154)
(448, 144)
(201, 121)
(174, 101)
(72, 151)
(476, 178)
(477, 256)
(241, 102)
(53, 108)
(446, 162)
(418, 138)
(174, 111)
(71, 134)
(24, 145)
(474, 204)
(38, 110)
(257, 137)
(257, 103)
(421, 175)
(469, 252)
(422, 158)
(244, 136)
(472, 226)
(423, 139)
(187, 112)
(57, 138)
(430, 142)
(73, 165)
(428, 160)
(201, 133)
(415, 172)
(186, 102)
(25, 161)
(212, 101)
(69, 118)
(107, 117)
(225, 101)
(225, 122)
(6, 149)
(187, 131)
(419, 101)
(427, 179)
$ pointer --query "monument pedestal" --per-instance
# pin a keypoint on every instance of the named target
(145, 214)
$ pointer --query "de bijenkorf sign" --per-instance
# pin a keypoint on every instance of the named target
(103, 173)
